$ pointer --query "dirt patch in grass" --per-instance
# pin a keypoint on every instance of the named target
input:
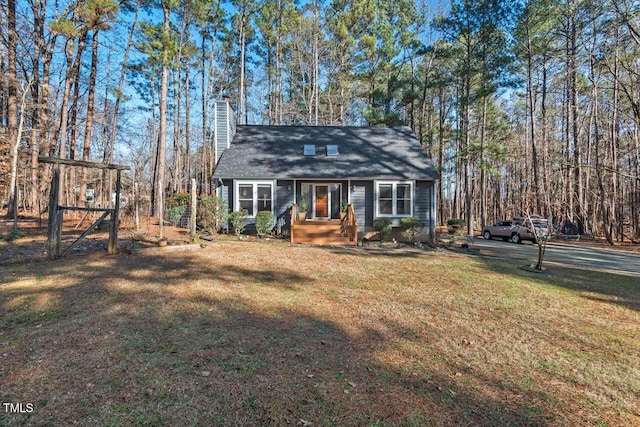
(30, 241)
(266, 333)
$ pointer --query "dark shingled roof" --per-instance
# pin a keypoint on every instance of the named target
(276, 152)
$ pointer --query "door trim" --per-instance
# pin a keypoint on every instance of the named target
(328, 185)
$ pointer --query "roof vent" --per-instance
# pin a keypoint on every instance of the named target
(309, 150)
(332, 150)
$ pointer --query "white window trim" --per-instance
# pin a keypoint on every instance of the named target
(394, 214)
(254, 184)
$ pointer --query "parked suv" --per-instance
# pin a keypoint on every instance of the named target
(518, 229)
(539, 227)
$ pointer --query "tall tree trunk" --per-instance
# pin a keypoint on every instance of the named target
(204, 179)
(532, 124)
(242, 67)
(60, 133)
(86, 147)
(155, 141)
(545, 143)
(617, 205)
(176, 182)
(467, 142)
(69, 176)
(483, 164)
(569, 147)
(577, 193)
(162, 130)
(316, 62)
(35, 134)
(45, 142)
(187, 128)
(105, 195)
(604, 208)
(37, 131)
(441, 154)
(116, 108)
(12, 104)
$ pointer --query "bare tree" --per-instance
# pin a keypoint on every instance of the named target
(12, 106)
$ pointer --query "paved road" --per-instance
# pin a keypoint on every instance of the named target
(558, 253)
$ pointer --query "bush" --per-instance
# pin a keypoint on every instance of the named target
(456, 225)
(212, 213)
(383, 227)
(174, 213)
(177, 200)
(237, 221)
(412, 226)
(302, 203)
(14, 234)
(264, 222)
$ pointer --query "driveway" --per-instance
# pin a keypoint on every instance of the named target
(563, 254)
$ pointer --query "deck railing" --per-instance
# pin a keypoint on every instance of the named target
(292, 230)
(349, 224)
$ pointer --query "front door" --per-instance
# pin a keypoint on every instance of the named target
(322, 201)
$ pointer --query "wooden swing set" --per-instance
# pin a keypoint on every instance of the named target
(56, 212)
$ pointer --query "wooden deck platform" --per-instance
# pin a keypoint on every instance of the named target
(325, 232)
(320, 233)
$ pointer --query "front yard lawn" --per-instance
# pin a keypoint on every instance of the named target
(264, 333)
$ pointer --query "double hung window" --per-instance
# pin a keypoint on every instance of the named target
(394, 198)
(254, 197)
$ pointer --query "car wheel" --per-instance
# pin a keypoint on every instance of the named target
(487, 235)
(516, 238)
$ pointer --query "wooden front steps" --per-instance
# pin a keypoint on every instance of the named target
(320, 233)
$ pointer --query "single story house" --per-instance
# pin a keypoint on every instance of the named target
(381, 172)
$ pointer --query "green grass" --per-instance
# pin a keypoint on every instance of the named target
(266, 333)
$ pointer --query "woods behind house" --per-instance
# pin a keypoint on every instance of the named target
(528, 106)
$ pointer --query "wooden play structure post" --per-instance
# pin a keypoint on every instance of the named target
(194, 211)
(56, 212)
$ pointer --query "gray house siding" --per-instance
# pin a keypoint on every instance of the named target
(283, 202)
(362, 200)
(226, 193)
(424, 203)
(426, 208)
(225, 127)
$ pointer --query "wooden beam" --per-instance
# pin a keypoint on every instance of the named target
(86, 233)
(52, 229)
(115, 222)
(194, 211)
(59, 222)
(54, 160)
(73, 208)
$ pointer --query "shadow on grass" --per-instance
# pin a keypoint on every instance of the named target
(126, 341)
(598, 286)
(373, 251)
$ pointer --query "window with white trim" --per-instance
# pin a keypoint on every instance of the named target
(394, 198)
(254, 197)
